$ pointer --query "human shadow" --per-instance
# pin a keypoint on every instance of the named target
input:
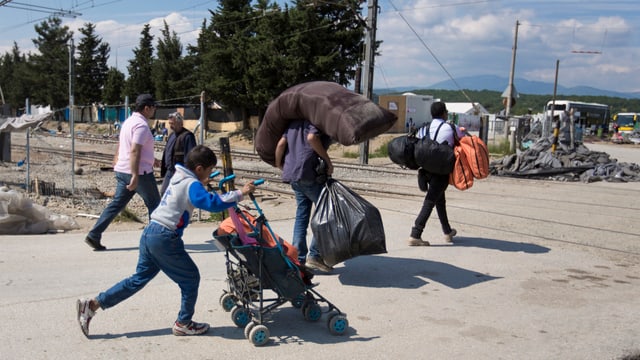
(110, 249)
(133, 334)
(501, 245)
(405, 273)
(209, 246)
(287, 326)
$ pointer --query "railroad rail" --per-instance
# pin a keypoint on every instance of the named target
(248, 165)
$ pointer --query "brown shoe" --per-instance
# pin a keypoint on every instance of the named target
(417, 242)
(449, 237)
(317, 264)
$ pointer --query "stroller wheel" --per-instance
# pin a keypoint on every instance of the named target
(337, 324)
(228, 301)
(259, 335)
(298, 301)
(312, 312)
(247, 330)
(241, 316)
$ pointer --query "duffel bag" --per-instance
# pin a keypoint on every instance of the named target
(461, 177)
(401, 151)
(477, 155)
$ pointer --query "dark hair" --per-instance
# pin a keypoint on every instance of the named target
(438, 109)
(144, 100)
(200, 155)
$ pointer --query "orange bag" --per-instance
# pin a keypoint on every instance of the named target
(228, 227)
(477, 155)
(461, 177)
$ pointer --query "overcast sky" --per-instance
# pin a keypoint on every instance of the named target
(424, 41)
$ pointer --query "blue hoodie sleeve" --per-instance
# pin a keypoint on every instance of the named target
(202, 199)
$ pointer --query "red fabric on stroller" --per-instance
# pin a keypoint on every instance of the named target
(235, 224)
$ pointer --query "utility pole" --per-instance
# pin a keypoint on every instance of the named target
(556, 128)
(369, 57)
(510, 90)
(72, 50)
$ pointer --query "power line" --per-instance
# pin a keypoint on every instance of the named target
(44, 9)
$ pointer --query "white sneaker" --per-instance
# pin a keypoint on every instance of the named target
(85, 314)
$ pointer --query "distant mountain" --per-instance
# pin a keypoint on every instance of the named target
(523, 86)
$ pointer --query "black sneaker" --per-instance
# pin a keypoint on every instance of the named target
(95, 244)
(423, 180)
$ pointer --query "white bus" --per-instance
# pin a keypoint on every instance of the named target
(589, 116)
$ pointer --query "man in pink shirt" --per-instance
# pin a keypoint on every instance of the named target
(134, 162)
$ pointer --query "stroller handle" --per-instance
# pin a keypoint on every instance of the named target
(258, 182)
(226, 179)
(214, 174)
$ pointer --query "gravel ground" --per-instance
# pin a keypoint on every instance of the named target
(93, 185)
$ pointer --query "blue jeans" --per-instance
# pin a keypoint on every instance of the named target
(163, 250)
(307, 194)
(147, 189)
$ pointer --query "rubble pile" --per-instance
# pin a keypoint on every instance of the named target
(565, 164)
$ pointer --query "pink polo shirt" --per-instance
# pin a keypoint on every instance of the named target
(135, 130)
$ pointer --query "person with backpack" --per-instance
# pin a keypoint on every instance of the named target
(435, 184)
(178, 145)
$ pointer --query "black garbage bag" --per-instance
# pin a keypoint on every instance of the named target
(345, 225)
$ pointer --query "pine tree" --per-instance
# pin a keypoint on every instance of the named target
(51, 66)
(91, 68)
(113, 93)
(140, 68)
(14, 77)
(168, 69)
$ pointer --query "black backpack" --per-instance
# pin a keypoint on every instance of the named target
(432, 156)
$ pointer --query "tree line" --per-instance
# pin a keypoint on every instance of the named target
(245, 55)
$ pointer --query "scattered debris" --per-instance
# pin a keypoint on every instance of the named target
(19, 215)
(565, 164)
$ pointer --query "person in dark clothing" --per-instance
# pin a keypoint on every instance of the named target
(179, 143)
(434, 184)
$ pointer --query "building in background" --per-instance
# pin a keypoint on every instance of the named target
(466, 114)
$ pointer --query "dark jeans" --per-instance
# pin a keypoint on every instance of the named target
(147, 189)
(435, 198)
(307, 194)
(163, 250)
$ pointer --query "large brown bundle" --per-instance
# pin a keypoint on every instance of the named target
(347, 117)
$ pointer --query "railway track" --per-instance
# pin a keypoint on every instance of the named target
(248, 165)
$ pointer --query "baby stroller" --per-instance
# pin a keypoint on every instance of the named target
(258, 260)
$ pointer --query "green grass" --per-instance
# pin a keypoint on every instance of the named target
(218, 216)
(380, 152)
(502, 148)
(126, 215)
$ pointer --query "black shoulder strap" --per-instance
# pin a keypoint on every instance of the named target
(437, 131)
